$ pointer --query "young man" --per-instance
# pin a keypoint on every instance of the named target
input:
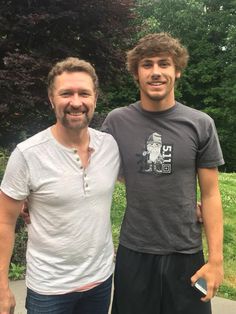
(165, 146)
(67, 172)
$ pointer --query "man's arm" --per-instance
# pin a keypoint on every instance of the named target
(212, 217)
(9, 211)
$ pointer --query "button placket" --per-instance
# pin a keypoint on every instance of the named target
(85, 179)
(84, 170)
(77, 158)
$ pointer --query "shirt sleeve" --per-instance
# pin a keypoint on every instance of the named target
(209, 152)
(107, 128)
(15, 181)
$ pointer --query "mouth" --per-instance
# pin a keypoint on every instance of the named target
(156, 83)
(76, 113)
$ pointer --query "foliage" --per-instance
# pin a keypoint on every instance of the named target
(16, 271)
(21, 237)
(228, 194)
(4, 154)
(117, 211)
(35, 34)
(121, 94)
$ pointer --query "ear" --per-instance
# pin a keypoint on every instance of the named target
(136, 79)
(95, 102)
(135, 76)
(50, 99)
(178, 74)
(52, 105)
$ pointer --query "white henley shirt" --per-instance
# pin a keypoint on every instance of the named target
(69, 238)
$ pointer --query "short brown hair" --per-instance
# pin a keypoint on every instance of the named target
(156, 44)
(72, 64)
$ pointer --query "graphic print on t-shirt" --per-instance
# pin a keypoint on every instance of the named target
(156, 158)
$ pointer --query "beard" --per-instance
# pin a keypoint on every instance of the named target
(76, 125)
(68, 122)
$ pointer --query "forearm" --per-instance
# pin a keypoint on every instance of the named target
(9, 211)
(213, 225)
(7, 236)
(7, 300)
(212, 216)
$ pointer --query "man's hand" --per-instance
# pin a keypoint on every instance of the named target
(25, 214)
(7, 301)
(199, 212)
(213, 273)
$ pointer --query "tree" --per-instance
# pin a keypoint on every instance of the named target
(36, 33)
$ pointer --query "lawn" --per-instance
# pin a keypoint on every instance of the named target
(228, 192)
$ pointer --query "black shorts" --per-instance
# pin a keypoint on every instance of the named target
(156, 284)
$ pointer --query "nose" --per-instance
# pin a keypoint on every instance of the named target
(156, 73)
(76, 101)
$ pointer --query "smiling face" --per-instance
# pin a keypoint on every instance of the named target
(156, 78)
(73, 99)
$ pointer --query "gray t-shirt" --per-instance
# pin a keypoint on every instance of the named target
(160, 154)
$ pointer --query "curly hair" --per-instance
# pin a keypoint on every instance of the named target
(155, 44)
(72, 64)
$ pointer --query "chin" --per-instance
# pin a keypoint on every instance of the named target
(156, 97)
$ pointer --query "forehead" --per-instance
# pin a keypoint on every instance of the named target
(157, 58)
(73, 79)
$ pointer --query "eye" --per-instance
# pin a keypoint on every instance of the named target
(85, 94)
(65, 94)
(164, 64)
(147, 65)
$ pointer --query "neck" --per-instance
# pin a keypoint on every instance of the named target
(71, 138)
(149, 104)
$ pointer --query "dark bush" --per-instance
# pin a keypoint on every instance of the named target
(21, 237)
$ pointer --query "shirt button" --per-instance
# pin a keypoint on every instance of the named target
(75, 151)
(77, 159)
(86, 185)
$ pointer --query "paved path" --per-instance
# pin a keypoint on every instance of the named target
(219, 305)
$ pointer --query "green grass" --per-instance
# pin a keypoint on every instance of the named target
(228, 193)
(117, 211)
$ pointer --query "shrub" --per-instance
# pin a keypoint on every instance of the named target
(21, 237)
(4, 154)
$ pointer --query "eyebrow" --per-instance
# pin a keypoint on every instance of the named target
(167, 58)
(68, 89)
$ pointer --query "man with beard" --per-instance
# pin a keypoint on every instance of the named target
(160, 253)
(67, 172)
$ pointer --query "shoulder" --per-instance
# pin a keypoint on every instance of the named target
(98, 137)
(194, 115)
(34, 141)
(123, 111)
